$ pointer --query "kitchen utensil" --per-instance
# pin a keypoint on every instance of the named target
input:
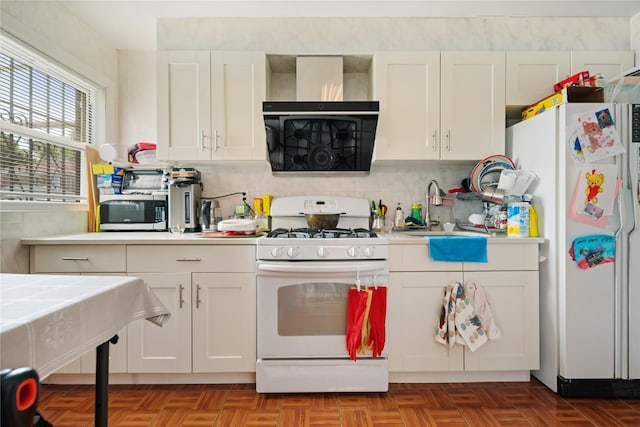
(322, 220)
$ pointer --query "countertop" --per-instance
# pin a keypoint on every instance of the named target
(138, 237)
(166, 238)
(402, 238)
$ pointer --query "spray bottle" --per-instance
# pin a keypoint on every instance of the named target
(533, 216)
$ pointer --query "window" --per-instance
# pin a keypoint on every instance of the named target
(46, 118)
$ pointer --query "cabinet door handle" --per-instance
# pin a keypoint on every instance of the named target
(181, 296)
(215, 140)
(435, 140)
(75, 258)
(202, 147)
(448, 138)
(197, 296)
(188, 259)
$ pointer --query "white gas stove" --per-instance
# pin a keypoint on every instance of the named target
(304, 279)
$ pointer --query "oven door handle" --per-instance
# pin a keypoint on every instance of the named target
(319, 268)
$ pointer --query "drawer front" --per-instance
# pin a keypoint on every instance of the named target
(507, 258)
(500, 257)
(417, 258)
(192, 258)
(78, 259)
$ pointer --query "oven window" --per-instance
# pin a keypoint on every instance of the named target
(313, 309)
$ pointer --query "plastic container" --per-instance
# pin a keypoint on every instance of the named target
(518, 219)
(416, 211)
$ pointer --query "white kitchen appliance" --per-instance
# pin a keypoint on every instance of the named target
(303, 279)
(589, 318)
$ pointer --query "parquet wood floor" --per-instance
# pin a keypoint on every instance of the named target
(405, 405)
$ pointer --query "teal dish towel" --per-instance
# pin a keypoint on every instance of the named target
(458, 248)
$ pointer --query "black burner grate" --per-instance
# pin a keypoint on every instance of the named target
(315, 233)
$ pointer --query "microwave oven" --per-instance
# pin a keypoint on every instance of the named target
(134, 212)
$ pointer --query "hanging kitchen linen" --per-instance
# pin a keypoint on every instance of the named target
(482, 308)
(377, 317)
(458, 322)
(356, 307)
(366, 316)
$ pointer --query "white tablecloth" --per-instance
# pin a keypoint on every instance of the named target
(47, 321)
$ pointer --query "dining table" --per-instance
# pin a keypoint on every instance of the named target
(47, 321)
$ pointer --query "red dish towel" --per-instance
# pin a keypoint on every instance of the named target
(356, 307)
(377, 316)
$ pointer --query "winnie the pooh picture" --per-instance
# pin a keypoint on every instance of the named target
(594, 186)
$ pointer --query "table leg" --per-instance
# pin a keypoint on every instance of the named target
(102, 383)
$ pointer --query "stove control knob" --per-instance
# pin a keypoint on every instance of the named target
(369, 251)
(323, 252)
(276, 252)
(353, 251)
(293, 252)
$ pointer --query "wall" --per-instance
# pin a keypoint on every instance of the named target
(52, 30)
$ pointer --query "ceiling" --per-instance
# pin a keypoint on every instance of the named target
(131, 25)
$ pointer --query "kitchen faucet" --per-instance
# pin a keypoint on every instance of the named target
(437, 201)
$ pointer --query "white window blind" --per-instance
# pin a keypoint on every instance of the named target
(46, 118)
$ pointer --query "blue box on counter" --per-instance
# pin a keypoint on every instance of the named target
(109, 184)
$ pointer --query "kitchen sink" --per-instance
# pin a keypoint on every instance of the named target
(425, 233)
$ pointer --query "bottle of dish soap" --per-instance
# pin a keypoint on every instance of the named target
(398, 220)
(533, 217)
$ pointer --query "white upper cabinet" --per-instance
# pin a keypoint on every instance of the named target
(407, 84)
(184, 105)
(609, 64)
(472, 116)
(238, 88)
(210, 105)
(433, 105)
(531, 75)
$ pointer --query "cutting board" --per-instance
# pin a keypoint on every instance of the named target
(92, 157)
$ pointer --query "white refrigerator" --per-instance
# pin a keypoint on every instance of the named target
(589, 318)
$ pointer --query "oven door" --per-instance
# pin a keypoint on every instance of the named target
(302, 306)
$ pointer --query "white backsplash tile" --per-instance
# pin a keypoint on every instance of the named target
(393, 183)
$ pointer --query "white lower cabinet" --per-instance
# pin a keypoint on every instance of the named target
(224, 322)
(510, 281)
(415, 302)
(167, 349)
(208, 289)
(212, 303)
(513, 296)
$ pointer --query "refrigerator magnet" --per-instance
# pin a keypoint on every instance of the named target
(591, 251)
(598, 135)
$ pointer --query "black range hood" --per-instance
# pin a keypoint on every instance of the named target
(321, 137)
